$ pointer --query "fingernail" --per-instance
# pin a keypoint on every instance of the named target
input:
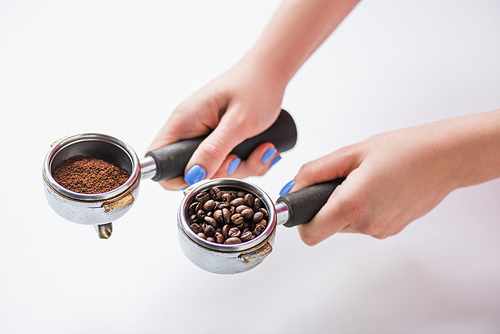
(268, 155)
(286, 189)
(233, 165)
(195, 174)
(275, 160)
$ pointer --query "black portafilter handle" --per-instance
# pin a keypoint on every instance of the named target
(171, 160)
(304, 204)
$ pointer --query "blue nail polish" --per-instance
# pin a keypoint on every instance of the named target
(275, 160)
(286, 189)
(233, 165)
(182, 189)
(268, 155)
(195, 174)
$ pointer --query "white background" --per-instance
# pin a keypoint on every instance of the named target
(120, 68)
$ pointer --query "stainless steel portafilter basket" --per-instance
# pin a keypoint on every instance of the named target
(164, 163)
(290, 210)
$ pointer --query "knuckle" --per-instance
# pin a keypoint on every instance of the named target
(308, 171)
(372, 229)
(309, 239)
(212, 151)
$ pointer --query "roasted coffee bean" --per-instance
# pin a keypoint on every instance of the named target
(238, 201)
(241, 194)
(246, 236)
(218, 216)
(193, 208)
(209, 231)
(196, 228)
(211, 221)
(257, 217)
(226, 216)
(201, 235)
(237, 219)
(201, 214)
(264, 212)
(210, 239)
(225, 230)
(202, 197)
(193, 218)
(257, 204)
(233, 240)
(228, 197)
(258, 229)
(247, 214)
(216, 193)
(219, 238)
(222, 205)
(209, 205)
(241, 208)
(249, 199)
(234, 232)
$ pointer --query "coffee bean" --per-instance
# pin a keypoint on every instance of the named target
(196, 228)
(219, 238)
(210, 239)
(247, 214)
(263, 222)
(209, 205)
(246, 236)
(241, 208)
(218, 216)
(257, 217)
(211, 221)
(240, 194)
(225, 230)
(201, 235)
(238, 201)
(258, 229)
(202, 197)
(264, 212)
(233, 241)
(249, 199)
(237, 219)
(226, 216)
(201, 214)
(209, 231)
(216, 193)
(193, 218)
(222, 205)
(234, 232)
(193, 208)
(228, 197)
(257, 204)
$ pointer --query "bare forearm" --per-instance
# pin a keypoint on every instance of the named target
(476, 142)
(295, 31)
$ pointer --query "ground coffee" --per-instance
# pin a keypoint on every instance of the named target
(227, 217)
(87, 175)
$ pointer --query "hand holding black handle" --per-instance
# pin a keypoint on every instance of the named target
(171, 160)
(304, 204)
